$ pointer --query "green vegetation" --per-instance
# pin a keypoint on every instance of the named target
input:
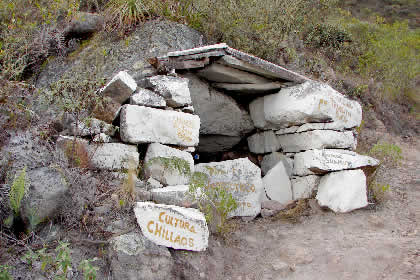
(56, 265)
(377, 192)
(172, 163)
(4, 273)
(17, 191)
(387, 153)
(216, 203)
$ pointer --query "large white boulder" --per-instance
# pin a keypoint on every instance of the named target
(263, 142)
(241, 178)
(305, 103)
(343, 191)
(168, 165)
(277, 184)
(303, 187)
(120, 87)
(317, 139)
(174, 89)
(147, 125)
(173, 226)
(327, 160)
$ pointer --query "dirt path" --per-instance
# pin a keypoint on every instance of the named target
(365, 244)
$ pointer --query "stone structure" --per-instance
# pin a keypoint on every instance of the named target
(214, 99)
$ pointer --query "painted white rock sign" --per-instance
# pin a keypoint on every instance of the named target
(241, 178)
(305, 103)
(173, 226)
(323, 161)
(147, 125)
(343, 191)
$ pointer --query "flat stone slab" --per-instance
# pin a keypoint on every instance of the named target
(168, 165)
(147, 98)
(219, 114)
(241, 178)
(217, 143)
(310, 102)
(148, 125)
(263, 142)
(277, 184)
(246, 62)
(253, 90)
(323, 161)
(317, 139)
(310, 126)
(304, 187)
(173, 226)
(224, 74)
(120, 87)
(174, 89)
(343, 191)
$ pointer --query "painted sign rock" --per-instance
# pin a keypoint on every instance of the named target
(147, 125)
(241, 178)
(305, 103)
(327, 160)
(173, 226)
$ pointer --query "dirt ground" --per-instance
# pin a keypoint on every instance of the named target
(377, 243)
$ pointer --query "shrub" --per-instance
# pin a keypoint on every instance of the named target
(17, 191)
(377, 192)
(326, 35)
(387, 152)
(4, 273)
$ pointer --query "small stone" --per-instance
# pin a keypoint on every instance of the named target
(153, 184)
(173, 195)
(173, 226)
(102, 138)
(174, 90)
(147, 98)
(120, 87)
(273, 205)
(277, 184)
(343, 191)
(90, 127)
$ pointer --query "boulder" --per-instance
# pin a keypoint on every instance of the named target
(217, 143)
(219, 114)
(132, 256)
(173, 195)
(241, 178)
(263, 142)
(174, 89)
(46, 194)
(310, 102)
(323, 161)
(343, 191)
(90, 127)
(303, 187)
(270, 160)
(147, 98)
(83, 24)
(224, 74)
(173, 226)
(147, 125)
(277, 184)
(317, 139)
(120, 88)
(168, 165)
(153, 184)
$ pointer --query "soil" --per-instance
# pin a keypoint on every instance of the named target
(381, 242)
